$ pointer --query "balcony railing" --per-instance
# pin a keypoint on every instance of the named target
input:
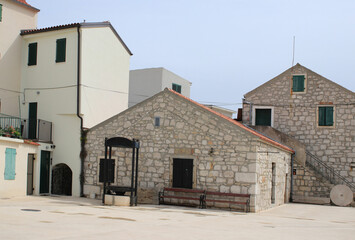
(37, 129)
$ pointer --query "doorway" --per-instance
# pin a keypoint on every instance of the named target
(62, 180)
(44, 172)
(182, 173)
(30, 160)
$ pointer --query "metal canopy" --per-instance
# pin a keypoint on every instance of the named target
(121, 142)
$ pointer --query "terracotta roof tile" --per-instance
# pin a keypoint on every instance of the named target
(30, 142)
(47, 29)
(261, 136)
(24, 2)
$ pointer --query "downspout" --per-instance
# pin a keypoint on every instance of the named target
(291, 191)
(78, 114)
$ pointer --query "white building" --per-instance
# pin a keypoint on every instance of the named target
(73, 76)
(144, 83)
(14, 16)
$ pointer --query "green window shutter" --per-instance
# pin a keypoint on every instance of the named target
(61, 50)
(10, 164)
(298, 83)
(0, 12)
(321, 116)
(329, 116)
(177, 87)
(32, 54)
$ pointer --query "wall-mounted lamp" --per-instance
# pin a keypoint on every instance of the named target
(52, 146)
(211, 152)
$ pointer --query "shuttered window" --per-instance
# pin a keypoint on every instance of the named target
(10, 160)
(61, 50)
(177, 87)
(32, 54)
(298, 83)
(0, 12)
(325, 116)
(107, 172)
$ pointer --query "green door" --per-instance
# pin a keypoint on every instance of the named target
(44, 174)
(32, 121)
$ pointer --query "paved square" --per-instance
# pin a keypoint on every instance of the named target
(79, 218)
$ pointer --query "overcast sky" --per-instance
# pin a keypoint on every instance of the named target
(226, 48)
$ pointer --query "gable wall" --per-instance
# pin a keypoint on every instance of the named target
(186, 131)
(296, 115)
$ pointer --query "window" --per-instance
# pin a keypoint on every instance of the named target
(298, 83)
(32, 54)
(177, 87)
(0, 12)
(10, 157)
(263, 117)
(61, 49)
(157, 121)
(182, 173)
(325, 116)
(109, 174)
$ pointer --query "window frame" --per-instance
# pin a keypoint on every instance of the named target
(304, 83)
(59, 56)
(178, 86)
(317, 113)
(29, 60)
(262, 107)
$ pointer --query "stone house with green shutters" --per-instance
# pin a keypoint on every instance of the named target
(220, 153)
(316, 114)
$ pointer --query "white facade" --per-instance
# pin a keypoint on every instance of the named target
(17, 187)
(144, 83)
(103, 92)
(15, 17)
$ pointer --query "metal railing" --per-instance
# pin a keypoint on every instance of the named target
(327, 171)
(42, 129)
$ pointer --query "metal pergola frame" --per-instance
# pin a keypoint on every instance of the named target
(121, 142)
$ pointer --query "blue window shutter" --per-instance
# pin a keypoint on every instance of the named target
(298, 83)
(0, 12)
(10, 164)
(321, 116)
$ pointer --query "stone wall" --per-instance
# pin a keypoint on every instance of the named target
(224, 155)
(296, 115)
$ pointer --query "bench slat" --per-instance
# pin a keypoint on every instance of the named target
(180, 197)
(228, 194)
(225, 201)
(186, 190)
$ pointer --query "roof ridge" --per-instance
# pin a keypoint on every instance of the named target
(254, 132)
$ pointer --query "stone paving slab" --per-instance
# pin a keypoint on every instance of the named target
(78, 218)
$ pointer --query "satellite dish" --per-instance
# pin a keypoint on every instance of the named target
(341, 195)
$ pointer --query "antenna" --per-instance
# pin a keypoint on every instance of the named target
(293, 50)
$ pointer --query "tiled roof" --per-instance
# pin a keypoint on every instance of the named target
(24, 2)
(47, 29)
(261, 136)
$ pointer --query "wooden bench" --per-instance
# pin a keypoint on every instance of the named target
(208, 194)
(165, 194)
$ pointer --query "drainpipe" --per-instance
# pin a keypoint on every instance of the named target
(78, 114)
(291, 192)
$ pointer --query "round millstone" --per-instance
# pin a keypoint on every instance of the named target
(341, 195)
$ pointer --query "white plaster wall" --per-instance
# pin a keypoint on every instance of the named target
(17, 187)
(14, 18)
(53, 86)
(145, 83)
(104, 75)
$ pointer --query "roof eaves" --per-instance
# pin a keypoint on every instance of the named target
(48, 29)
(252, 131)
(25, 4)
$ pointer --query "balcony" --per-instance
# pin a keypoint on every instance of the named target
(37, 130)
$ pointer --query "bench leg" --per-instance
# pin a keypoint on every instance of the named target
(202, 201)
(161, 199)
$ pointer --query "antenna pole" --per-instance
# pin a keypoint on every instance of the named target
(293, 50)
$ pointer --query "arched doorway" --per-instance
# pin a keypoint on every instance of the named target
(61, 179)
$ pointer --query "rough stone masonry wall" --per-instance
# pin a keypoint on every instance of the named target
(296, 115)
(267, 155)
(186, 131)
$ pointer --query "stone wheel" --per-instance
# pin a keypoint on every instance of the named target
(341, 195)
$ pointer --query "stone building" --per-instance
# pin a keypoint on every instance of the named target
(224, 154)
(319, 115)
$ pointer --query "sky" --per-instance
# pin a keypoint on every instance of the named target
(226, 48)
